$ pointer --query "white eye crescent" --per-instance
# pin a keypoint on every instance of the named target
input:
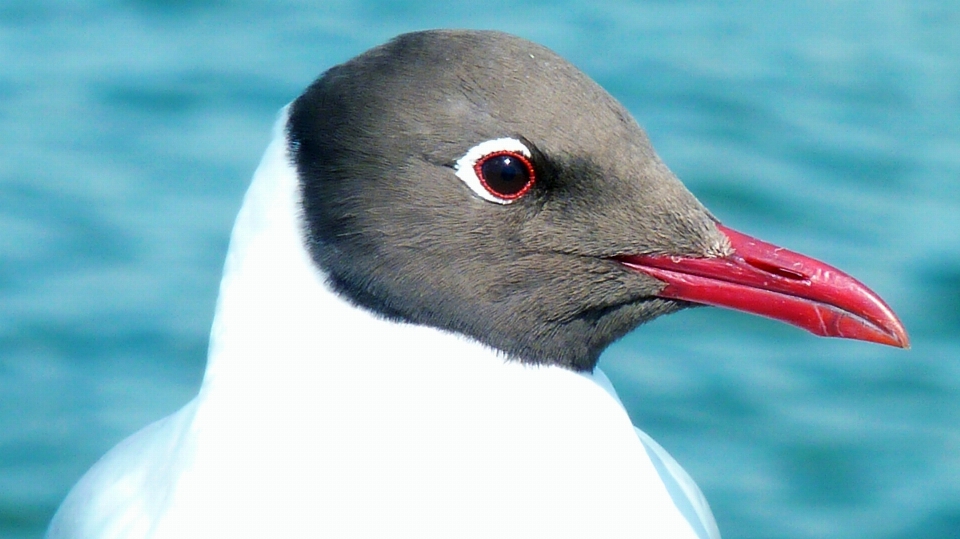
(497, 170)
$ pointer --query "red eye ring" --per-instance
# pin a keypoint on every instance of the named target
(501, 180)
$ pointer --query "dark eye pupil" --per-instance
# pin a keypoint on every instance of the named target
(505, 175)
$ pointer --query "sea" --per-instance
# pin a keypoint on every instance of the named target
(129, 130)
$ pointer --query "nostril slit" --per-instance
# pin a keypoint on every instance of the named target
(777, 270)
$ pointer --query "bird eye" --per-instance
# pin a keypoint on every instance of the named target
(507, 175)
(497, 170)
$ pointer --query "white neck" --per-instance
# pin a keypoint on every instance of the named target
(278, 326)
(269, 282)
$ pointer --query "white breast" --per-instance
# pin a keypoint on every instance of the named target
(318, 419)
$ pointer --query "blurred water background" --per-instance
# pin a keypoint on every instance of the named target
(129, 131)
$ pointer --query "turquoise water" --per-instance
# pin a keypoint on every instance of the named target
(129, 131)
